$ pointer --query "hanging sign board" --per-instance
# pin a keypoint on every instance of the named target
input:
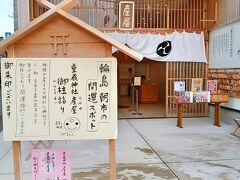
(59, 99)
(126, 15)
(52, 164)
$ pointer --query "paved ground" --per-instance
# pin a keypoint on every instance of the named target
(149, 149)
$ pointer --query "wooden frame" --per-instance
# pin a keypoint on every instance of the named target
(237, 121)
(215, 15)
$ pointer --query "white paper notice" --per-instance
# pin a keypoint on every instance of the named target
(137, 81)
(59, 98)
(179, 86)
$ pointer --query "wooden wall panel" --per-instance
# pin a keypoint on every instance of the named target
(85, 50)
(157, 73)
(228, 12)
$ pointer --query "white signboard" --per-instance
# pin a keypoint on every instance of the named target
(137, 81)
(179, 86)
(59, 99)
(225, 47)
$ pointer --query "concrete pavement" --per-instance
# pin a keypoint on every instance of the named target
(149, 149)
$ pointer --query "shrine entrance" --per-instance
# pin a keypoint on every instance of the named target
(151, 92)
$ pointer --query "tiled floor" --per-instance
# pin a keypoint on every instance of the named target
(149, 149)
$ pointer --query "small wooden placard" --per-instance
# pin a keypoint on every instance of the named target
(219, 98)
(126, 15)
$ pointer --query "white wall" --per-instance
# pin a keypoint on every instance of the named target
(234, 103)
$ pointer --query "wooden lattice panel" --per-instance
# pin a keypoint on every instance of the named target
(185, 71)
(177, 14)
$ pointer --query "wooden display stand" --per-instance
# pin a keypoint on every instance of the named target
(217, 99)
(56, 33)
(180, 113)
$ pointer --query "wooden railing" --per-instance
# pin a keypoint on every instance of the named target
(161, 14)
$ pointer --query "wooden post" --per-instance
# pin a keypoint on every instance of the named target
(166, 90)
(217, 115)
(16, 145)
(168, 15)
(17, 160)
(112, 159)
(179, 118)
(204, 13)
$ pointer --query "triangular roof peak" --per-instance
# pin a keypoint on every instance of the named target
(62, 9)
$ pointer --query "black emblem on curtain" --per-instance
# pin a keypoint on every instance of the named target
(164, 48)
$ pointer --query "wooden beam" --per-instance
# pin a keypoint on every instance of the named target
(216, 11)
(46, 4)
(69, 5)
(65, 5)
(208, 20)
